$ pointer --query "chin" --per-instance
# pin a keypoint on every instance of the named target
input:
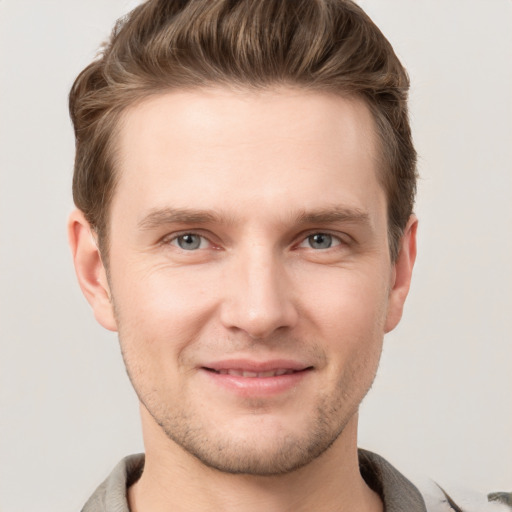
(283, 457)
(255, 445)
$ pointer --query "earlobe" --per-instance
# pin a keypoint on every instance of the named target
(90, 270)
(402, 273)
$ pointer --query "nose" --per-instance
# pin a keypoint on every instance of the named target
(258, 295)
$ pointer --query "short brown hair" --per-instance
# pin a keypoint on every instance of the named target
(324, 45)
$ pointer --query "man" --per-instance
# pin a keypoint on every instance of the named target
(244, 183)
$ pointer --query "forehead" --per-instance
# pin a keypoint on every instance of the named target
(284, 146)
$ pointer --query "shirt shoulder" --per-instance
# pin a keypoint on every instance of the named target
(399, 494)
(110, 496)
(396, 491)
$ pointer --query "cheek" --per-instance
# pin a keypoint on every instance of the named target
(162, 311)
(347, 306)
(347, 315)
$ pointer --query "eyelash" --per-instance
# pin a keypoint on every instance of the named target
(174, 240)
(335, 239)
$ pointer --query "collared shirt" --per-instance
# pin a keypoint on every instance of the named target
(396, 492)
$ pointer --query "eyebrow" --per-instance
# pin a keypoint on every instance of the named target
(334, 214)
(329, 215)
(159, 217)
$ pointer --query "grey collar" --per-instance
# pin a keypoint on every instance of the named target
(397, 493)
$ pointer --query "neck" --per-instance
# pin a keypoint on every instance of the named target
(175, 480)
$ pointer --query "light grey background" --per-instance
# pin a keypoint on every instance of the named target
(441, 403)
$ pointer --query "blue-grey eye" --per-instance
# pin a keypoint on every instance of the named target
(320, 241)
(189, 241)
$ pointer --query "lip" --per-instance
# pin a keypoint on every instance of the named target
(250, 365)
(254, 385)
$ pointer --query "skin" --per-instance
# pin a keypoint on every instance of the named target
(248, 229)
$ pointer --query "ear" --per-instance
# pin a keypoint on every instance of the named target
(90, 270)
(401, 275)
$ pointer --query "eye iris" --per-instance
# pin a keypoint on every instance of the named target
(320, 241)
(189, 242)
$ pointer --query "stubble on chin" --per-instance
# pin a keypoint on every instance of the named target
(224, 452)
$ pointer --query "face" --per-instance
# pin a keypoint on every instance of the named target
(250, 274)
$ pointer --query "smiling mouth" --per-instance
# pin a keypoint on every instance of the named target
(250, 374)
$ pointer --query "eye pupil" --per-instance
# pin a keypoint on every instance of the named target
(189, 242)
(320, 241)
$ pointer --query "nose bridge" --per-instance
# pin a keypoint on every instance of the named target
(259, 296)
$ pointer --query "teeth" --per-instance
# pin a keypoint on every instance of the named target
(243, 373)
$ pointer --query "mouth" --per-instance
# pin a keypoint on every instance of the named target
(252, 374)
(253, 379)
